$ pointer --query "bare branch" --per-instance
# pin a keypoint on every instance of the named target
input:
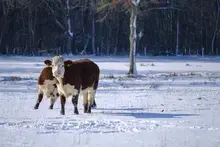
(162, 8)
(52, 11)
(103, 6)
(103, 18)
(135, 2)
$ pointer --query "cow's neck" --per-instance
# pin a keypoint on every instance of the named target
(60, 81)
(61, 85)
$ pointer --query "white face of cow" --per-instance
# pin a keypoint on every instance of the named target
(58, 69)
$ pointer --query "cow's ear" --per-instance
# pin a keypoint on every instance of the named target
(48, 62)
(67, 63)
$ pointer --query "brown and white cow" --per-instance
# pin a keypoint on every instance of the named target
(47, 86)
(74, 78)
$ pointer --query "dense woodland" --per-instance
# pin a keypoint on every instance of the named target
(101, 27)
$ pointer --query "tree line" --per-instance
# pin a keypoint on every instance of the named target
(101, 27)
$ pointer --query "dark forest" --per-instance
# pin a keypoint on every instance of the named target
(101, 27)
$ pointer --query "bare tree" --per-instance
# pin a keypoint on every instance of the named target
(133, 37)
(168, 26)
(132, 6)
(64, 24)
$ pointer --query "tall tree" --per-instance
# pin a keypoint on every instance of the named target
(132, 6)
(133, 36)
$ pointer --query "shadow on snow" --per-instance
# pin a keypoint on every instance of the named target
(149, 115)
(125, 109)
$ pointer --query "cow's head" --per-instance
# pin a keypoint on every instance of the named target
(57, 64)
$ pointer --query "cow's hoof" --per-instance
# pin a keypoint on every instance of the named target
(94, 106)
(76, 112)
(85, 108)
(36, 106)
(51, 107)
(62, 112)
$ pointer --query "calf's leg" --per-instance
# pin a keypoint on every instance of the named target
(39, 99)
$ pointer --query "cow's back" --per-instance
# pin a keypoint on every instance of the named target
(83, 73)
(89, 73)
(46, 74)
(47, 83)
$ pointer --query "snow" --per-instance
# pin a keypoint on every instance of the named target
(174, 102)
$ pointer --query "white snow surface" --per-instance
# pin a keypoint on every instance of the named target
(173, 102)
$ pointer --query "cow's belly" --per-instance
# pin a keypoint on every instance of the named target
(67, 90)
(84, 91)
(48, 88)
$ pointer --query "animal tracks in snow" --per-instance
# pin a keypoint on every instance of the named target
(53, 126)
(83, 126)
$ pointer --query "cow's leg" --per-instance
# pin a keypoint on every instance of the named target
(53, 96)
(63, 101)
(90, 100)
(53, 99)
(39, 99)
(94, 102)
(75, 103)
(85, 101)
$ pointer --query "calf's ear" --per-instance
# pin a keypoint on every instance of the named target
(48, 62)
(67, 63)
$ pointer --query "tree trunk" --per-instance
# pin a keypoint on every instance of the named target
(216, 27)
(201, 27)
(3, 23)
(118, 33)
(1, 35)
(70, 34)
(177, 34)
(133, 38)
(30, 32)
(170, 42)
(93, 34)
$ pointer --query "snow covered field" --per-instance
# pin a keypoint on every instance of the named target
(174, 102)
